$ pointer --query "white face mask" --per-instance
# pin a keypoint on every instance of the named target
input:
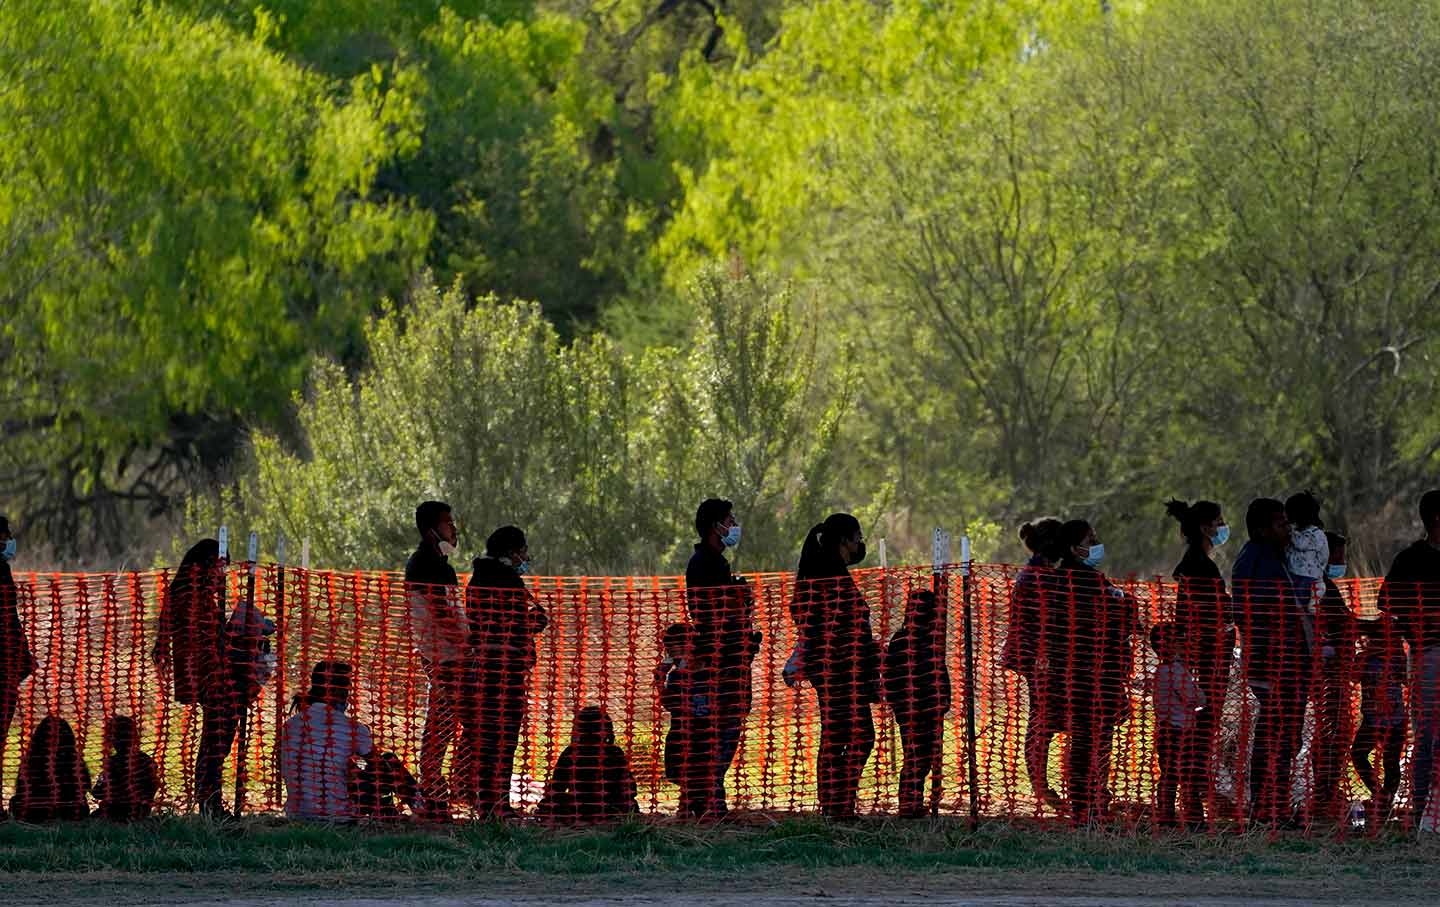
(446, 549)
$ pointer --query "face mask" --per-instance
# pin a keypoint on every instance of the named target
(1095, 556)
(446, 549)
(731, 538)
(858, 556)
(1335, 571)
(8, 552)
(1221, 536)
(523, 568)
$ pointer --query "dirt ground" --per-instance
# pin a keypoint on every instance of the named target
(821, 889)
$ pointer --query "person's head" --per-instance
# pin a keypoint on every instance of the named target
(52, 745)
(1430, 510)
(121, 733)
(1077, 540)
(1165, 639)
(1200, 522)
(1039, 535)
(7, 541)
(922, 608)
(1266, 522)
(676, 640)
(199, 563)
(839, 536)
(593, 726)
(330, 684)
(1338, 545)
(509, 546)
(436, 524)
(716, 525)
(1303, 510)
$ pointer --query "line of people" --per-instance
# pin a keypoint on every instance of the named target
(1070, 636)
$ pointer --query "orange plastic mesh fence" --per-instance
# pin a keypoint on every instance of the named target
(1135, 703)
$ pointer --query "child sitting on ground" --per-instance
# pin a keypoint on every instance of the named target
(1178, 698)
(129, 781)
(53, 777)
(592, 779)
(379, 785)
(1383, 719)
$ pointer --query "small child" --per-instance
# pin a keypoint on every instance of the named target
(379, 785)
(1177, 698)
(53, 779)
(917, 686)
(127, 786)
(592, 779)
(1383, 719)
(1309, 553)
(689, 742)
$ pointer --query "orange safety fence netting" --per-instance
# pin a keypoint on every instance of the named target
(1136, 703)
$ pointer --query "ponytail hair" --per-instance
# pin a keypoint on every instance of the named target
(1040, 535)
(823, 540)
(1191, 517)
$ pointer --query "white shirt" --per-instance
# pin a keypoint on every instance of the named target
(316, 745)
(1177, 695)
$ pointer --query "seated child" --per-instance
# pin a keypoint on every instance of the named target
(917, 686)
(379, 785)
(53, 778)
(127, 786)
(592, 779)
(1178, 698)
(1383, 719)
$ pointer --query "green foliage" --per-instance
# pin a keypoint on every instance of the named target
(599, 455)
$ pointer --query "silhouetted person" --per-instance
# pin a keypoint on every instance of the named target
(129, 781)
(215, 661)
(53, 778)
(689, 702)
(917, 686)
(721, 607)
(1088, 653)
(1337, 632)
(504, 621)
(1204, 622)
(16, 662)
(441, 638)
(379, 785)
(1383, 719)
(1178, 701)
(839, 657)
(1030, 616)
(318, 746)
(1411, 593)
(1277, 638)
(591, 780)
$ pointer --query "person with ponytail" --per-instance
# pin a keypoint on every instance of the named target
(1205, 627)
(318, 745)
(1021, 654)
(1088, 662)
(840, 657)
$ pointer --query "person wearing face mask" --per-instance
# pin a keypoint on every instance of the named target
(1089, 662)
(442, 642)
(1204, 621)
(504, 621)
(16, 661)
(723, 646)
(1339, 635)
(1277, 641)
(840, 656)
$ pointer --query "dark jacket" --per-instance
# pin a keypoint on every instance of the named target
(504, 618)
(917, 681)
(1086, 644)
(833, 622)
(1277, 634)
(441, 635)
(1028, 617)
(590, 781)
(191, 634)
(1411, 594)
(1204, 615)
(126, 788)
(722, 613)
(16, 661)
